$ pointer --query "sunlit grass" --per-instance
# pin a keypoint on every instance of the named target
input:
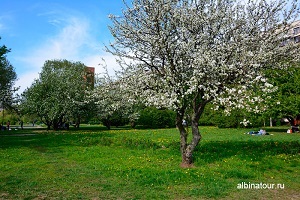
(94, 163)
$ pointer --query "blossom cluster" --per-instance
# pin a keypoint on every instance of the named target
(183, 54)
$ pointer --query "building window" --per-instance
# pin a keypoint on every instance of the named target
(297, 39)
(296, 30)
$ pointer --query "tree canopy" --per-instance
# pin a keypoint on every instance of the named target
(286, 100)
(112, 102)
(59, 95)
(8, 77)
(185, 54)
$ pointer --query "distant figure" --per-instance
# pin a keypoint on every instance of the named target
(3, 128)
(260, 132)
(8, 125)
(21, 124)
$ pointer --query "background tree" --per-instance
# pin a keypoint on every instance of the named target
(286, 100)
(8, 77)
(185, 54)
(113, 107)
(59, 95)
(156, 118)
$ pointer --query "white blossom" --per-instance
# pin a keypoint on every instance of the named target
(245, 122)
(185, 54)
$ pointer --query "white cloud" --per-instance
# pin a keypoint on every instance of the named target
(25, 80)
(73, 42)
(65, 45)
(3, 19)
(98, 61)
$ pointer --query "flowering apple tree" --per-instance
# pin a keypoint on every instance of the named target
(8, 77)
(184, 54)
(59, 95)
(111, 100)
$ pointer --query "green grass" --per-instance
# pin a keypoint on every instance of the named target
(93, 163)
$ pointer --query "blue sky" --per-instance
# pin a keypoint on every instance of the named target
(40, 30)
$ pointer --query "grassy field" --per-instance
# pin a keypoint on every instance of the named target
(93, 163)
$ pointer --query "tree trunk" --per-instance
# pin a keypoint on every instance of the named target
(55, 126)
(77, 124)
(107, 124)
(183, 137)
(132, 124)
(48, 123)
(185, 148)
(187, 153)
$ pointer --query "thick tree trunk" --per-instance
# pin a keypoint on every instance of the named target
(183, 135)
(185, 148)
(106, 122)
(55, 126)
(49, 124)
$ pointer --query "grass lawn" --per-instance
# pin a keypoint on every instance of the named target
(93, 163)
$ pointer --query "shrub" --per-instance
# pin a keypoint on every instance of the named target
(218, 118)
(157, 118)
(229, 121)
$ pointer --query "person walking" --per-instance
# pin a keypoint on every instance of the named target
(21, 124)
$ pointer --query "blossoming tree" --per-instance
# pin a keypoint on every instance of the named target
(111, 100)
(185, 54)
(59, 95)
(8, 77)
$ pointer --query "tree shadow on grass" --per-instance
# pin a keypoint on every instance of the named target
(209, 151)
(278, 129)
(256, 150)
(53, 140)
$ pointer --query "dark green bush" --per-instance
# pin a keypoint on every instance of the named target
(208, 118)
(157, 118)
(119, 120)
(218, 118)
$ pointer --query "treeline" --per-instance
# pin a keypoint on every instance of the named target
(151, 117)
(63, 97)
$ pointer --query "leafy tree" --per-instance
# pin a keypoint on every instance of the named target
(185, 54)
(58, 96)
(7, 79)
(112, 105)
(286, 100)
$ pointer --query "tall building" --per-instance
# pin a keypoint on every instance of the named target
(90, 76)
